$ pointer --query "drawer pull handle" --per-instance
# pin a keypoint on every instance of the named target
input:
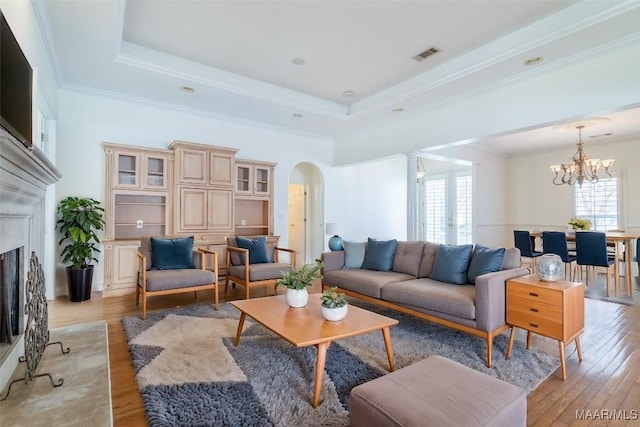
(533, 325)
(535, 310)
(533, 294)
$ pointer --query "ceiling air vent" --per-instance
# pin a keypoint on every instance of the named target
(427, 53)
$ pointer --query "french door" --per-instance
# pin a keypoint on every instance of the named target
(445, 207)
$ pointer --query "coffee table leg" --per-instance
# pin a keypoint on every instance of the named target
(240, 325)
(320, 361)
(389, 347)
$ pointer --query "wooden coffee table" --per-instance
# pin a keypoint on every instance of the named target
(305, 326)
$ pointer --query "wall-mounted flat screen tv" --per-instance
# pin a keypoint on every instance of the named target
(15, 87)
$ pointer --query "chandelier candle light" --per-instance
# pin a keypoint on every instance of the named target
(583, 168)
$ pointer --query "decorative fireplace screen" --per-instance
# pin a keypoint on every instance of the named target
(36, 334)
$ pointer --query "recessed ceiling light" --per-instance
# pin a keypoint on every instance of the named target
(297, 115)
(348, 94)
(298, 61)
(187, 89)
(533, 61)
(398, 110)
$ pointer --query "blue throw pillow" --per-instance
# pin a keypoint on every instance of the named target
(451, 264)
(257, 249)
(171, 254)
(379, 254)
(354, 253)
(484, 260)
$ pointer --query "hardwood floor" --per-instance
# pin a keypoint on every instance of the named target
(607, 379)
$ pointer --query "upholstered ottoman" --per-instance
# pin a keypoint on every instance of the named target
(437, 392)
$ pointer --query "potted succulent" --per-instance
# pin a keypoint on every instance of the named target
(334, 306)
(297, 280)
(78, 221)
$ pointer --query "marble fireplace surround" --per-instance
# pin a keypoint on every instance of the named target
(24, 177)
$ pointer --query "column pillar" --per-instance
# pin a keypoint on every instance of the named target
(412, 188)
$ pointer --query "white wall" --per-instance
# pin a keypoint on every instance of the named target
(371, 200)
(86, 120)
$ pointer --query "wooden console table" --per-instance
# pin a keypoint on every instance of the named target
(552, 309)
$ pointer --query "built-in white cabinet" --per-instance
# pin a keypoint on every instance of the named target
(253, 198)
(135, 169)
(189, 189)
(254, 178)
(120, 270)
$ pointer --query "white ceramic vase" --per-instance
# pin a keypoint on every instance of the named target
(297, 297)
(335, 314)
(550, 268)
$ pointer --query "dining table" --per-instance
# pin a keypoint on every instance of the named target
(622, 242)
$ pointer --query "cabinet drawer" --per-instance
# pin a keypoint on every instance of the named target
(548, 296)
(535, 308)
(540, 325)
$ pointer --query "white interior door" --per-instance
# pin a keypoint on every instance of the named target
(298, 221)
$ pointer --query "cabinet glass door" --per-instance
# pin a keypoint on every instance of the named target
(155, 176)
(128, 170)
(262, 180)
(243, 176)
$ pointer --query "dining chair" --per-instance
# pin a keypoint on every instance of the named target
(523, 242)
(555, 242)
(591, 248)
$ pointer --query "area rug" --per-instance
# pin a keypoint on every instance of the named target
(189, 373)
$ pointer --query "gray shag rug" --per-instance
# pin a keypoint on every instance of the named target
(190, 374)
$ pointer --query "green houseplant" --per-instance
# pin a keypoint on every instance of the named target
(334, 306)
(297, 280)
(580, 223)
(78, 221)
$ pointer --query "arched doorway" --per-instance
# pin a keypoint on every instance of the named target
(306, 207)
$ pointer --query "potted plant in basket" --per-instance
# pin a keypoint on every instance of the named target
(78, 221)
(334, 306)
(297, 280)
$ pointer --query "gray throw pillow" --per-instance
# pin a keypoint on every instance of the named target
(451, 264)
(354, 253)
(484, 260)
(379, 254)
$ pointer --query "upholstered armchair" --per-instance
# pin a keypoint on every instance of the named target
(169, 265)
(254, 262)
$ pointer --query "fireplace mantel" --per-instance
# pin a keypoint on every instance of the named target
(24, 176)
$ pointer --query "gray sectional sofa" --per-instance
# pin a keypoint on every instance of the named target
(408, 286)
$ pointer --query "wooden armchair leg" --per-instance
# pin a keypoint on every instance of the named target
(137, 295)
(144, 308)
(215, 295)
(226, 284)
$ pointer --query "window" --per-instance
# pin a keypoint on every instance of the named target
(598, 203)
(445, 202)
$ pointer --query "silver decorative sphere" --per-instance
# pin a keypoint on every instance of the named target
(550, 268)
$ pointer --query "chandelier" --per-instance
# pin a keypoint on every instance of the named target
(583, 168)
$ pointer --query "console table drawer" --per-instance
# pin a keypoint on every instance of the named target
(547, 296)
